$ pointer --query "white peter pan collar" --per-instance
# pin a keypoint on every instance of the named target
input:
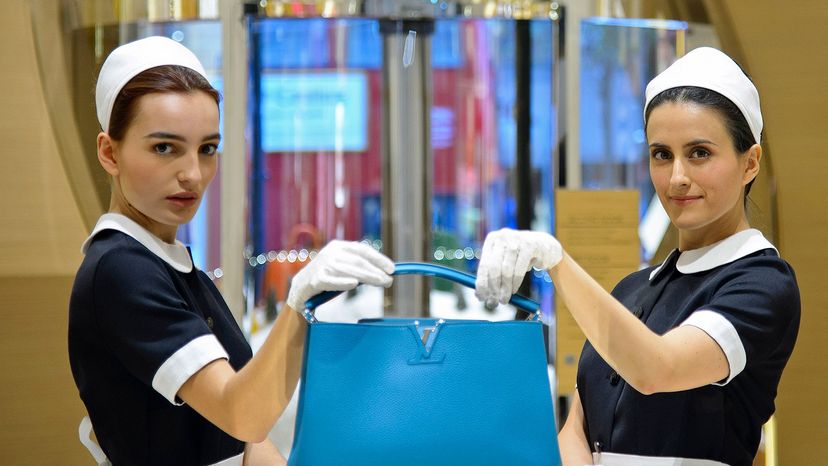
(734, 247)
(174, 254)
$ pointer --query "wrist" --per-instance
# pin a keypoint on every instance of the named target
(556, 268)
(295, 302)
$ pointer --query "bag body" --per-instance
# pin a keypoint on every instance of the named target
(425, 392)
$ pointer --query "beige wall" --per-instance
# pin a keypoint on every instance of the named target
(38, 400)
(40, 234)
(782, 46)
(41, 223)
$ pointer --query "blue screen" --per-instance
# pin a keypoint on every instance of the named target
(305, 112)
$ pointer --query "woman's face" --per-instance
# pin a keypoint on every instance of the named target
(697, 173)
(166, 160)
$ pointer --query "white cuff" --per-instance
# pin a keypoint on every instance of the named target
(724, 333)
(185, 362)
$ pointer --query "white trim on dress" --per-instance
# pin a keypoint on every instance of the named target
(185, 362)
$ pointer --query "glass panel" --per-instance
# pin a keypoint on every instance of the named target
(317, 135)
(91, 42)
(202, 233)
(618, 59)
(474, 138)
(315, 168)
(316, 126)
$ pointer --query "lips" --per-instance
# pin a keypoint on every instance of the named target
(684, 200)
(183, 199)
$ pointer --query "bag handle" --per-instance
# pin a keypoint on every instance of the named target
(420, 268)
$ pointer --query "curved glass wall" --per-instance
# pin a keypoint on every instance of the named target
(618, 59)
(317, 128)
(203, 37)
(334, 88)
(92, 29)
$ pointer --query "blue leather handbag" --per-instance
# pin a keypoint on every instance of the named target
(425, 391)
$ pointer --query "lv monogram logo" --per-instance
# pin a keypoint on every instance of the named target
(427, 335)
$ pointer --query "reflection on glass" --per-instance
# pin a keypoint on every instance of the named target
(316, 128)
(618, 58)
(202, 233)
(90, 47)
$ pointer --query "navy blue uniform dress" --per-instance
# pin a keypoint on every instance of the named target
(142, 320)
(742, 294)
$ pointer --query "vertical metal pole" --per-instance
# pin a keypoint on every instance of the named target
(575, 11)
(257, 175)
(523, 125)
(232, 161)
(407, 155)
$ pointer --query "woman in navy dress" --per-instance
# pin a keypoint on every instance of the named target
(165, 373)
(682, 360)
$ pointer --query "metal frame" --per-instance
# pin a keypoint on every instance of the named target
(233, 160)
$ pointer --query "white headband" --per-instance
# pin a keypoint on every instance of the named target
(711, 69)
(128, 60)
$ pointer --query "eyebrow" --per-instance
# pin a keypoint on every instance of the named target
(163, 135)
(694, 142)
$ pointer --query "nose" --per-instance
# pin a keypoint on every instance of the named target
(189, 173)
(678, 177)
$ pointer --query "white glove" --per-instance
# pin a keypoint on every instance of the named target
(507, 256)
(339, 266)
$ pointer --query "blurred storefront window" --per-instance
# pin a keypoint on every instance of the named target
(618, 59)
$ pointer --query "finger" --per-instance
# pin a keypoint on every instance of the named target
(481, 284)
(488, 269)
(488, 243)
(371, 255)
(337, 283)
(362, 271)
(504, 289)
(361, 256)
(522, 265)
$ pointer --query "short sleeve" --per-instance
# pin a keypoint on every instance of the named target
(754, 313)
(148, 324)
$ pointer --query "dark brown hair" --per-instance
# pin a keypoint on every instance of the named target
(166, 78)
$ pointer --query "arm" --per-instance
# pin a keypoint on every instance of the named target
(262, 454)
(572, 437)
(683, 358)
(247, 404)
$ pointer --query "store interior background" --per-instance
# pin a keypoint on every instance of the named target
(43, 220)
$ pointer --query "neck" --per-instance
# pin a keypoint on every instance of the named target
(119, 205)
(699, 238)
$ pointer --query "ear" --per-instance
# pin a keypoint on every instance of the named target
(107, 154)
(753, 156)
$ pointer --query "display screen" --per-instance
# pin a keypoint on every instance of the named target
(314, 111)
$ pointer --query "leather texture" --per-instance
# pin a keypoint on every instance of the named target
(394, 392)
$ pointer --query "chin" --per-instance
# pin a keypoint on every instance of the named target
(687, 223)
(179, 221)
(176, 220)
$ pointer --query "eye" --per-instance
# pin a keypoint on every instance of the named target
(163, 148)
(660, 154)
(699, 153)
(209, 149)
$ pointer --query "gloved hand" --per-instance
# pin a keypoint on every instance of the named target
(339, 266)
(506, 257)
